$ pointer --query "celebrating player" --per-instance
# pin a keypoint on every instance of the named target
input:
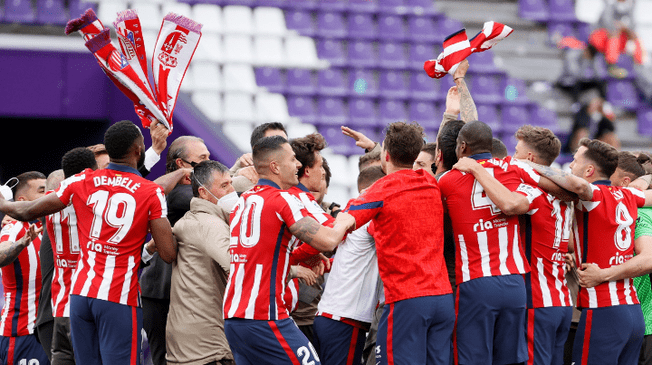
(115, 208)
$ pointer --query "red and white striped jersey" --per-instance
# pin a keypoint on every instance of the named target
(487, 241)
(604, 234)
(22, 283)
(62, 229)
(545, 232)
(261, 244)
(113, 207)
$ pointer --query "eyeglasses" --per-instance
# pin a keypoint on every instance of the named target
(192, 164)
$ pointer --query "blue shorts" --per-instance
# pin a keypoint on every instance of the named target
(547, 331)
(338, 343)
(268, 342)
(22, 350)
(490, 320)
(609, 335)
(416, 331)
(104, 332)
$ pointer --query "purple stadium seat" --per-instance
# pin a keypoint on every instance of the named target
(420, 53)
(331, 5)
(331, 24)
(536, 10)
(509, 140)
(363, 83)
(338, 142)
(391, 27)
(301, 21)
(391, 111)
(488, 113)
(486, 88)
(421, 28)
(361, 26)
(515, 91)
(583, 30)
(332, 50)
(623, 94)
(420, 7)
(361, 54)
(627, 62)
(51, 12)
(446, 27)
(482, 62)
(559, 29)
(300, 82)
(19, 11)
(303, 4)
(362, 112)
(392, 6)
(445, 83)
(422, 87)
(393, 85)
(302, 107)
(363, 6)
(78, 7)
(426, 113)
(562, 10)
(644, 116)
(514, 116)
(332, 82)
(271, 79)
(332, 111)
(544, 117)
(392, 56)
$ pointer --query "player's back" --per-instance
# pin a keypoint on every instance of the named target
(260, 251)
(605, 236)
(21, 281)
(408, 221)
(113, 208)
(487, 241)
(62, 230)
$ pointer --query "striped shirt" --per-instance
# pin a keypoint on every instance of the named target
(62, 229)
(22, 283)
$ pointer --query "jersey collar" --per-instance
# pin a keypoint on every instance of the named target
(122, 168)
(481, 156)
(303, 188)
(602, 182)
(268, 183)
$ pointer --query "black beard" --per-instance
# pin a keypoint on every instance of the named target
(141, 161)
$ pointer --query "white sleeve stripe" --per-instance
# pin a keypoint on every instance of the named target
(295, 205)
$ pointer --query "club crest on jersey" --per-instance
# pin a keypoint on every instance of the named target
(173, 45)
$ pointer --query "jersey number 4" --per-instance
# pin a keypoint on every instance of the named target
(480, 200)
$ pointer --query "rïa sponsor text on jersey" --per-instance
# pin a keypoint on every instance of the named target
(483, 225)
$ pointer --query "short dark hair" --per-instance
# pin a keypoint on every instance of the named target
(498, 148)
(327, 170)
(630, 165)
(447, 141)
(431, 148)
(120, 137)
(368, 158)
(478, 136)
(264, 147)
(178, 149)
(370, 175)
(77, 160)
(305, 148)
(542, 141)
(259, 131)
(403, 142)
(24, 179)
(602, 154)
(645, 161)
(202, 174)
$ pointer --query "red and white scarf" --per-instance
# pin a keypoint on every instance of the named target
(457, 47)
(127, 66)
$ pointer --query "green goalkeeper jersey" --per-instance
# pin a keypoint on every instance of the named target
(642, 283)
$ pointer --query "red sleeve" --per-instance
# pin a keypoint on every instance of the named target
(366, 206)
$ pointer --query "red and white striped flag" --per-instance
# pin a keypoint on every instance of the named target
(457, 48)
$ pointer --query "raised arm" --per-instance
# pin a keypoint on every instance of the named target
(468, 110)
(170, 180)
(361, 140)
(26, 211)
(641, 264)
(509, 202)
(323, 238)
(10, 250)
(565, 180)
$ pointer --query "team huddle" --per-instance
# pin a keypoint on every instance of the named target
(464, 251)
